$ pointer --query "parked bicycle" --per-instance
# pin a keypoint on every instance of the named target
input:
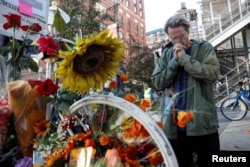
(236, 108)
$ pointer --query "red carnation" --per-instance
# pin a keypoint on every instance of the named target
(47, 45)
(47, 87)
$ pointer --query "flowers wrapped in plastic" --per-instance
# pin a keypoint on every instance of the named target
(26, 99)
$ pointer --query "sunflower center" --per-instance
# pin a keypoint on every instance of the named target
(90, 61)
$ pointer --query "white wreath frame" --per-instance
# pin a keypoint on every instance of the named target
(156, 133)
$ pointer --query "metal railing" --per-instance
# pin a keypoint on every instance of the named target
(222, 22)
(231, 79)
(226, 19)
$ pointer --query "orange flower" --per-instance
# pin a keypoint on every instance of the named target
(70, 145)
(130, 97)
(104, 140)
(41, 128)
(89, 143)
(82, 136)
(112, 85)
(135, 130)
(144, 104)
(155, 157)
(134, 163)
(127, 151)
(248, 132)
(124, 77)
(160, 124)
(184, 117)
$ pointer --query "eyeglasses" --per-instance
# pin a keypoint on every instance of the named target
(179, 38)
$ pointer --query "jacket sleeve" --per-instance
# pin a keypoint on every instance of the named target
(204, 65)
(165, 70)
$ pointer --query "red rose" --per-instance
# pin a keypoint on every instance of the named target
(36, 27)
(33, 83)
(13, 20)
(24, 28)
(47, 87)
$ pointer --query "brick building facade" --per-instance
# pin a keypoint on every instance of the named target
(129, 23)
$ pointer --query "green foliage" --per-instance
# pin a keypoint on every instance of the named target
(63, 100)
(140, 69)
(83, 16)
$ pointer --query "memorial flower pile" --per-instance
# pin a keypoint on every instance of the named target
(48, 134)
(98, 135)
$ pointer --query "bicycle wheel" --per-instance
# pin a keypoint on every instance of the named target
(128, 108)
(232, 111)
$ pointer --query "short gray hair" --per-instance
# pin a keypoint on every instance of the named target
(176, 21)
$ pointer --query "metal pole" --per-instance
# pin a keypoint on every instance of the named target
(117, 19)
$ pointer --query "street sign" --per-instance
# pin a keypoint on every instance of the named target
(31, 11)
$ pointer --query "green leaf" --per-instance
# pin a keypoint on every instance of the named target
(5, 49)
(63, 107)
(33, 65)
(23, 62)
(59, 22)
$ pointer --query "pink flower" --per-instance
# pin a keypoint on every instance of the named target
(47, 45)
(113, 158)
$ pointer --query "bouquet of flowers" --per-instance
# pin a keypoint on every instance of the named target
(96, 135)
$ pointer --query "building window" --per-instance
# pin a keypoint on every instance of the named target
(142, 32)
(141, 13)
(121, 36)
(135, 8)
(128, 39)
(127, 3)
(136, 28)
(120, 19)
(128, 23)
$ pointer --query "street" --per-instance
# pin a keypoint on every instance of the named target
(234, 135)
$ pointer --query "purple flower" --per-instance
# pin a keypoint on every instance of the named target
(25, 162)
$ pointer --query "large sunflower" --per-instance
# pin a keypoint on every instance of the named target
(93, 61)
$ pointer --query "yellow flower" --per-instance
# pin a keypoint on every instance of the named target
(93, 61)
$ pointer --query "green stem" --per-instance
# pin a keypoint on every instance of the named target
(14, 58)
(17, 55)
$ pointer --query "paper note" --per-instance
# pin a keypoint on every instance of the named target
(25, 8)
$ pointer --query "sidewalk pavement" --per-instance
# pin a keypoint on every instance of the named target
(236, 136)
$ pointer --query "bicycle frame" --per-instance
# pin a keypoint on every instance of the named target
(242, 95)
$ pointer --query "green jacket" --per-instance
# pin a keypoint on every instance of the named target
(203, 70)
